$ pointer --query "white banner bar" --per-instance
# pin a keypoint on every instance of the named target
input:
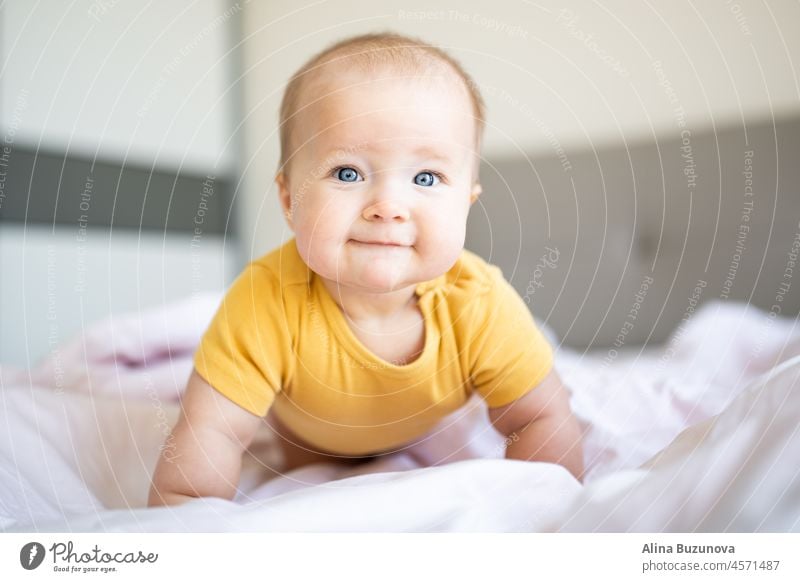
(401, 557)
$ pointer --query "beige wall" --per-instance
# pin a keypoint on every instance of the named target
(554, 79)
(147, 83)
(134, 83)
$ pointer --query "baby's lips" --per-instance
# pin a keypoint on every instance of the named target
(381, 241)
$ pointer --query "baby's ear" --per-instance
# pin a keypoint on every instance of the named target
(476, 191)
(285, 197)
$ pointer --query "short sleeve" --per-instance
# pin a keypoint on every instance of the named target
(244, 352)
(509, 355)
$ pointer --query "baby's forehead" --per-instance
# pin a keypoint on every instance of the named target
(340, 77)
(336, 101)
(390, 119)
(384, 101)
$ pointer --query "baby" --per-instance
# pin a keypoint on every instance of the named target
(356, 337)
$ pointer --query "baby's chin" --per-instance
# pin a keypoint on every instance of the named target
(377, 277)
(378, 270)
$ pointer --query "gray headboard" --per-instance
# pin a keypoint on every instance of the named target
(624, 242)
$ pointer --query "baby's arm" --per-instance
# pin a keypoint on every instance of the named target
(205, 447)
(539, 426)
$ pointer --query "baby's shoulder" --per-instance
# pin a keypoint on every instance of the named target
(471, 276)
(270, 283)
(282, 266)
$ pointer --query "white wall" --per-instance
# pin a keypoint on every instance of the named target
(553, 78)
(143, 82)
(131, 82)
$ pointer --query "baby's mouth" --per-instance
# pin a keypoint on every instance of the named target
(379, 243)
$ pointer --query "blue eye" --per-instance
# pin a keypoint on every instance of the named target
(426, 179)
(347, 175)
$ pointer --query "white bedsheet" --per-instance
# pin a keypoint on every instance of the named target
(701, 436)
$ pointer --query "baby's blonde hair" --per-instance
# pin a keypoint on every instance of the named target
(370, 52)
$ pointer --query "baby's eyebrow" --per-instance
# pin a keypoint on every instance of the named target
(424, 151)
(339, 151)
(433, 153)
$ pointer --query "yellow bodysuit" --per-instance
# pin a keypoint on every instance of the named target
(279, 341)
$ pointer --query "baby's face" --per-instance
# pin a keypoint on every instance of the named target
(379, 191)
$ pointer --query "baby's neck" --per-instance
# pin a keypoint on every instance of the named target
(361, 305)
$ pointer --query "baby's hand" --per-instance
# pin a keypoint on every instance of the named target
(539, 426)
(205, 447)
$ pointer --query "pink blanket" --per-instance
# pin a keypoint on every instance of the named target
(92, 416)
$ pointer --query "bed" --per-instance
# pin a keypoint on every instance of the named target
(698, 434)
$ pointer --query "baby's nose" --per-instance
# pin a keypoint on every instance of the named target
(386, 210)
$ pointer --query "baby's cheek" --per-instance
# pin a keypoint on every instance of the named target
(444, 244)
(314, 250)
(450, 228)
